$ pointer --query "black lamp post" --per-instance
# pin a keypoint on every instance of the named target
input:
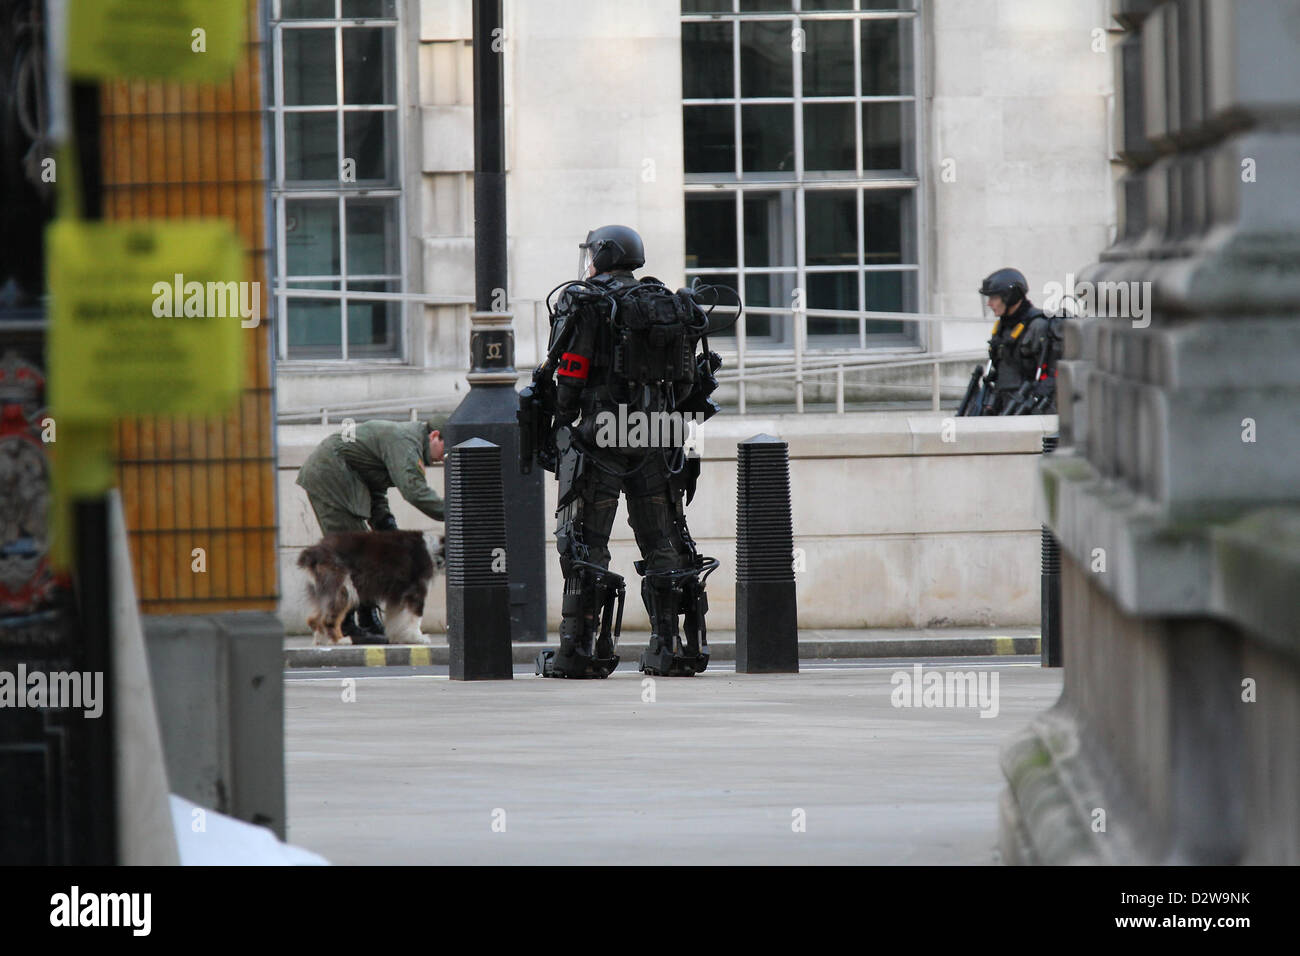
(488, 411)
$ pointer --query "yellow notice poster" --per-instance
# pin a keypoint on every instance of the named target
(146, 318)
(192, 40)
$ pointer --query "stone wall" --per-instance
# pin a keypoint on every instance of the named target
(899, 527)
(1176, 489)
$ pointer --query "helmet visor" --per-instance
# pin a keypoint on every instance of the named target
(586, 255)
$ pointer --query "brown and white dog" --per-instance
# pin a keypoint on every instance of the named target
(391, 568)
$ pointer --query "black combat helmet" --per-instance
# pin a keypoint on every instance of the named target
(609, 248)
(1008, 284)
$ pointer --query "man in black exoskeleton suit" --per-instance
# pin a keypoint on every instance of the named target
(619, 341)
(1020, 378)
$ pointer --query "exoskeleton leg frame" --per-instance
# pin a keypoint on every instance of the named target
(668, 593)
(592, 620)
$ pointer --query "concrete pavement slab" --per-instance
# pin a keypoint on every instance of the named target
(714, 769)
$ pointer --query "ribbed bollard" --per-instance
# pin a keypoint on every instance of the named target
(1050, 646)
(767, 628)
(478, 587)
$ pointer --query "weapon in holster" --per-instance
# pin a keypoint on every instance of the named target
(536, 411)
(1043, 403)
(1021, 400)
(972, 402)
(1030, 398)
(706, 383)
(536, 415)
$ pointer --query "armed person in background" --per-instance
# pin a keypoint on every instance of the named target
(347, 479)
(1020, 377)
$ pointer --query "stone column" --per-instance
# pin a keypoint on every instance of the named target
(1175, 493)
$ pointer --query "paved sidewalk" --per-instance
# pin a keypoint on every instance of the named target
(423, 770)
(813, 645)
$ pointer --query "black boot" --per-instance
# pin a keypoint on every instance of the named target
(370, 626)
(349, 627)
(665, 655)
(575, 658)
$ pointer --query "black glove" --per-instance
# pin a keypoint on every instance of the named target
(386, 523)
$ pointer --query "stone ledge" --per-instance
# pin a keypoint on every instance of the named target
(1244, 568)
(1256, 563)
(1046, 810)
(810, 435)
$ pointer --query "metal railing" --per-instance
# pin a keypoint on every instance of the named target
(744, 366)
(838, 368)
(800, 366)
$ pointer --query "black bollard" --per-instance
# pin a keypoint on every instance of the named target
(1050, 646)
(767, 629)
(478, 586)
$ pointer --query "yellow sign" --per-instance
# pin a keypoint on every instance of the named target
(81, 467)
(146, 318)
(194, 40)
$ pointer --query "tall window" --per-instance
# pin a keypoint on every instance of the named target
(337, 192)
(799, 122)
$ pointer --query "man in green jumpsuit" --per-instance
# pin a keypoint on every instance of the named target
(347, 479)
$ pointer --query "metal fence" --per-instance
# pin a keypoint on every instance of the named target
(743, 366)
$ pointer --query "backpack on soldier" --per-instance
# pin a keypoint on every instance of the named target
(656, 332)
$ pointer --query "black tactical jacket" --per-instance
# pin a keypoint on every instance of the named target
(582, 376)
(1015, 346)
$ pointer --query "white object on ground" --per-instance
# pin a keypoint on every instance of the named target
(208, 838)
(142, 837)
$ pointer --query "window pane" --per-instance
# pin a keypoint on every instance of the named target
(828, 58)
(370, 8)
(889, 292)
(311, 237)
(711, 231)
(767, 138)
(368, 65)
(373, 326)
(306, 9)
(368, 138)
(372, 246)
(886, 57)
(832, 290)
(765, 6)
(325, 286)
(885, 232)
(709, 134)
(769, 228)
(707, 61)
(773, 289)
(314, 329)
(882, 139)
(766, 58)
(308, 67)
(836, 4)
(706, 6)
(831, 228)
(829, 138)
(311, 147)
